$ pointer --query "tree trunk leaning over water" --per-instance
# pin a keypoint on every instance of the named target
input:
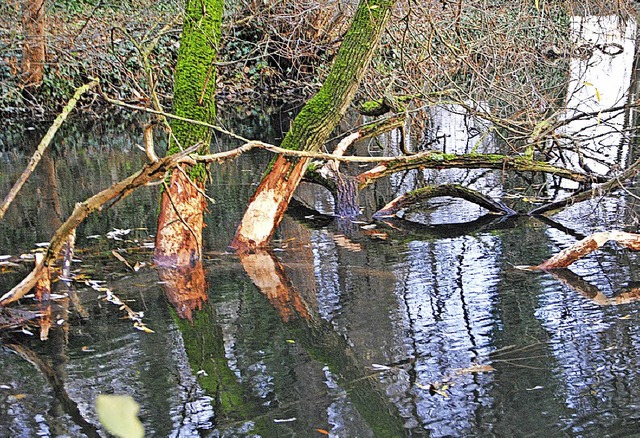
(312, 127)
(180, 223)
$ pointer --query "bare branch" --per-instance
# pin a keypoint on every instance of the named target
(44, 144)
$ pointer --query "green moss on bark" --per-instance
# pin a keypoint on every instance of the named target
(195, 78)
(322, 113)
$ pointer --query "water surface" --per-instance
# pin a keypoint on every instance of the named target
(411, 330)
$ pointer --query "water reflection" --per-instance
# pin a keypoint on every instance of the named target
(352, 330)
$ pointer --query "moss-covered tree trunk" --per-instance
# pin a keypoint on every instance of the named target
(313, 125)
(179, 237)
(34, 43)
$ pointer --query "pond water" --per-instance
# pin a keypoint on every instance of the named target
(342, 329)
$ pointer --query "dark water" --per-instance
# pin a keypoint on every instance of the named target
(405, 330)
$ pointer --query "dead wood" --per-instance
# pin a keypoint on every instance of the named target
(418, 196)
(598, 191)
(43, 294)
(44, 144)
(148, 174)
(589, 244)
(439, 160)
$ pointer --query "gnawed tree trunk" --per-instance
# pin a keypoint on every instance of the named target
(313, 125)
(34, 44)
(180, 223)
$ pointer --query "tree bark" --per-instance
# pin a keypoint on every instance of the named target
(414, 198)
(312, 127)
(181, 219)
(439, 160)
(34, 45)
(589, 244)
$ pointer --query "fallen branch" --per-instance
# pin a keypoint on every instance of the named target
(44, 144)
(148, 174)
(429, 159)
(600, 190)
(415, 197)
(587, 245)
(439, 160)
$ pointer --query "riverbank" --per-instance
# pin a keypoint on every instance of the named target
(108, 41)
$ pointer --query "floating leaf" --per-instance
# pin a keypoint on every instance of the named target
(284, 420)
(122, 259)
(119, 415)
(476, 368)
(379, 367)
(291, 341)
(142, 327)
(322, 431)
(535, 388)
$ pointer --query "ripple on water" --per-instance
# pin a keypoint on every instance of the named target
(447, 290)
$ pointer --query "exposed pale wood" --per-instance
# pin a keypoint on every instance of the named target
(267, 206)
(150, 173)
(589, 244)
(43, 294)
(180, 223)
(314, 123)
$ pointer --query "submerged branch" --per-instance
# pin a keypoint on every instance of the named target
(44, 144)
(415, 197)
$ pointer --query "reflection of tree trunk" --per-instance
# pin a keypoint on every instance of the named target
(314, 124)
(33, 47)
(185, 288)
(55, 375)
(267, 273)
(204, 346)
(319, 339)
(179, 238)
